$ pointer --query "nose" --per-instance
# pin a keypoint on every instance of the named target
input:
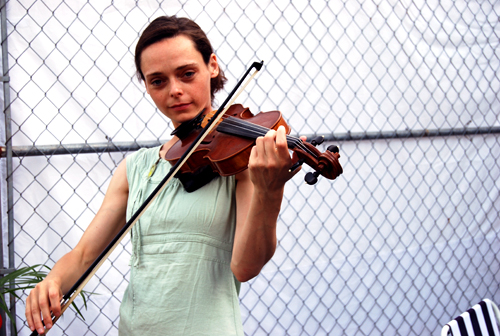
(175, 89)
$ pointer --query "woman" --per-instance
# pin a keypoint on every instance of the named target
(190, 250)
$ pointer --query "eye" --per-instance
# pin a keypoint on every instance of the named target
(156, 82)
(189, 74)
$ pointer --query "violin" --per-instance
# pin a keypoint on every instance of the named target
(226, 149)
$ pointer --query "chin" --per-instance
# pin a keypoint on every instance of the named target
(179, 117)
(182, 119)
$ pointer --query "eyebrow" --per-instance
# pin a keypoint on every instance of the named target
(182, 67)
(187, 66)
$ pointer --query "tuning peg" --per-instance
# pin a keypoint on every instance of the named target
(317, 140)
(333, 148)
(296, 165)
(311, 178)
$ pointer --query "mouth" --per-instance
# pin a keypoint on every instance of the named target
(180, 106)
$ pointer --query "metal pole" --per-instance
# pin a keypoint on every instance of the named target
(3, 332)
(110, 147)
(8, 145)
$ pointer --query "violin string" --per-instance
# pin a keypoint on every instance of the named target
(252, 130)
(248, 129)
(258, 130)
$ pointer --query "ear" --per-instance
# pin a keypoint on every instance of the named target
(213, 66)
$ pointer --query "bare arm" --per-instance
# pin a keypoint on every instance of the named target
(110, 218)
(259, 193)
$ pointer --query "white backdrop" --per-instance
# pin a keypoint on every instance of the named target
(402, 242)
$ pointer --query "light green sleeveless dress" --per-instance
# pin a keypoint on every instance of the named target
(181, 282)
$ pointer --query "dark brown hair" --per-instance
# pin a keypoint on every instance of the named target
(171, 26)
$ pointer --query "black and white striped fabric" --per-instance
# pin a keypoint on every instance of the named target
(481, 320)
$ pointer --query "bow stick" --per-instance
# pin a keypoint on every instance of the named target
(68, 298)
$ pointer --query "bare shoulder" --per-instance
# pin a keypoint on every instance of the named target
(119, 182)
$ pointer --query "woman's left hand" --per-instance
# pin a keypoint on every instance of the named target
(270, 161)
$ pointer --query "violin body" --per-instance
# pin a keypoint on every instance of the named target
(224, 153)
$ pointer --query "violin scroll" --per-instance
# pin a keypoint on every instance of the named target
(326, 164)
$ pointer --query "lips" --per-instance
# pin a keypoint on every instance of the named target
(182, 106)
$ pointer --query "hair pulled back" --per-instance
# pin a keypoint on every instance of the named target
(171, 26)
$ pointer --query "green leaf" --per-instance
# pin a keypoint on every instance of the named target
(27, 278)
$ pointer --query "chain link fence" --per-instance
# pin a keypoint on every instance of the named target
(403, 241)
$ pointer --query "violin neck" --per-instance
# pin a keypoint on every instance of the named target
(246, 129)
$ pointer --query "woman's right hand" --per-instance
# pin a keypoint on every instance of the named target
(43, 300)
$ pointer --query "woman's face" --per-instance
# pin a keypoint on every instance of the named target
(177, 78)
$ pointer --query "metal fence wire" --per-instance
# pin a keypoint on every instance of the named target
(403, 241)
